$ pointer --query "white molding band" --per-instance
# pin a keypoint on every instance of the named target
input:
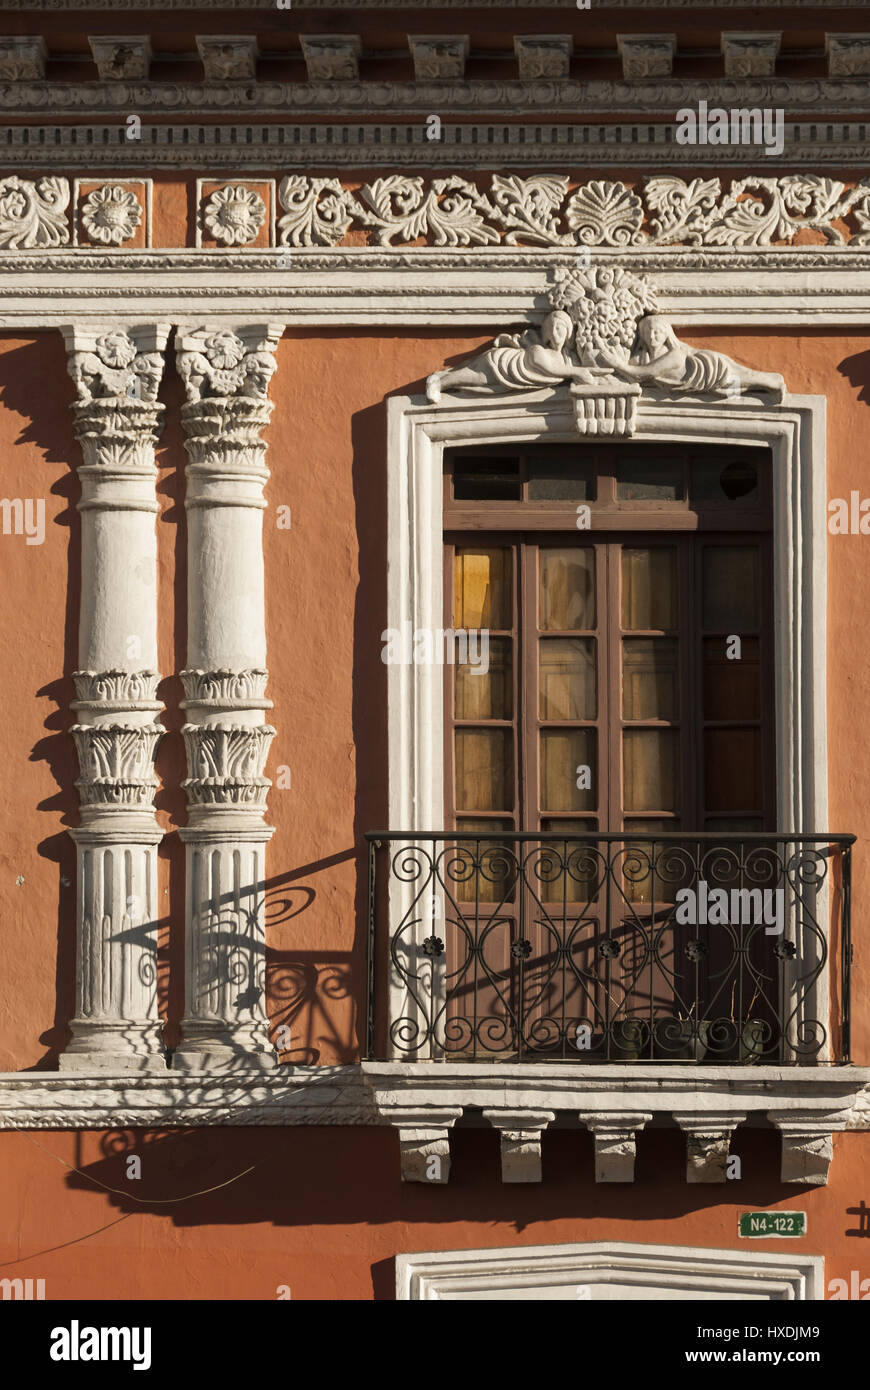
(117, 375)
(481, 288)
(226, 373)
(652, 96)
(609, 1270)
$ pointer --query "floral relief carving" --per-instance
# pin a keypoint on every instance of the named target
(319, 212)
(33, 213)
(227, 762)
(604, 340)
(234, 215)
(111, 214)
(539, 210)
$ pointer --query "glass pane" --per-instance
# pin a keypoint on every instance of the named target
(560, 480)
(734, 480)
(732, 769)
(567, 588)
(639, 480)
(732, 688)
(650, 678)
(735, 823)
(577, 872)
(567, 678)
(482, 587)
(487, 480)
(484, 769)
(647, 870)
(649, 587)
(651, 768)
(480, 869)
(483, 693)
(730, 587)
(568, 757)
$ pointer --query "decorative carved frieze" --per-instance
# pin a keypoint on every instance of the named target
(646, 55)
(22, 59)
(539, 210)
(542, 56)
(543, 210)
(121, 58)
(848, 55)
(439, 57)
(749, 55)
(331, 57)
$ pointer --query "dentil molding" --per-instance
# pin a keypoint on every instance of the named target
(472, 145)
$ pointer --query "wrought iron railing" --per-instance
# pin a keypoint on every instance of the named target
(698, 948)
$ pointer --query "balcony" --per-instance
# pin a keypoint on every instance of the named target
(710, 950)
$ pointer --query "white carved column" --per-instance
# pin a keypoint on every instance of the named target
(226, 373)
(117, 375)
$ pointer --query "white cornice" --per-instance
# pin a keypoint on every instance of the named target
(482, 288)
(482, 144)
(665, 96)
(357, 1094)
(300, 6)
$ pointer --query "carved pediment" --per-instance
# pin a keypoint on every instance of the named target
(604, 339)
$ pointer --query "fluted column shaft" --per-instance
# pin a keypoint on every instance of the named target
(117, 421)
(226, 374)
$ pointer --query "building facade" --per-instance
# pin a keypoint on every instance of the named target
(434, 550)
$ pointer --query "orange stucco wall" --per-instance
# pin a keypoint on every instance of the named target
(325, 1208)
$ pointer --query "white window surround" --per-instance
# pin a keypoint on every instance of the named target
(609, 1270)
(795, 433)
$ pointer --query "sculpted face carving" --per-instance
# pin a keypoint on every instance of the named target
(603, 339)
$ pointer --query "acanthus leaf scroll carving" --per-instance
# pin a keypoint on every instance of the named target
(33, 213)
(603, 339)
(542, 210)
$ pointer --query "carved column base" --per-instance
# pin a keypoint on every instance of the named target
(708, 1137)
(615, 1144)
(424, 1142)
(520, 1142)
(116, 1025)
(807, 1146)
(225, 1027)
